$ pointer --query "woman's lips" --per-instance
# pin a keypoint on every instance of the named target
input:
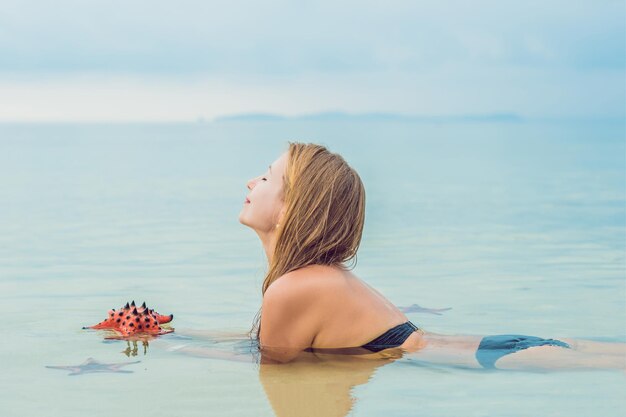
(247, 201)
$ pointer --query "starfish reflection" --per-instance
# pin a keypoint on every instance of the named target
(132, 351)
(132, 342)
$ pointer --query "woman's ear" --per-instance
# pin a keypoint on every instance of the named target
(281, 215)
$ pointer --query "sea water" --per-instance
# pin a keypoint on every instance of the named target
(518, 226)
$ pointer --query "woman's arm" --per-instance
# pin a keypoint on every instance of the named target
(289, 321)
(212, 335)
(204, 352)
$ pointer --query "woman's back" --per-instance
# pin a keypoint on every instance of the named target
(349, 312)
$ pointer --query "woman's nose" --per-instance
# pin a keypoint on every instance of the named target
(250, 184)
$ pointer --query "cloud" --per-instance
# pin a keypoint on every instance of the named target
(77, 60)
(288, 38)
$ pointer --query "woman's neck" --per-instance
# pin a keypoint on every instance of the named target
(268, 240)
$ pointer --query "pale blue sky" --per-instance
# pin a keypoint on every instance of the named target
(157, 60)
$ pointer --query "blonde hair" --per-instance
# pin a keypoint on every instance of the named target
(324, 201)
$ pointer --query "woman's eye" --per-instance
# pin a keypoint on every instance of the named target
(263, 179)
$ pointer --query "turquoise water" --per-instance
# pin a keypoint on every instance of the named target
(518, 226)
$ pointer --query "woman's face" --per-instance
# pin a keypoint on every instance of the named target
(262, 208)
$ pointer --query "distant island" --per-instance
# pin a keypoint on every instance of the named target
(393, 117)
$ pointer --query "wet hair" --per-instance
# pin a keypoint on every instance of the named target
(324, 201)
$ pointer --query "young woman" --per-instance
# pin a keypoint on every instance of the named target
(308, 210)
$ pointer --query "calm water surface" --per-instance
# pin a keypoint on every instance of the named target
(519, 227)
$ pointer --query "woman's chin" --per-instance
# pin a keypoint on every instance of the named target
(243, 220)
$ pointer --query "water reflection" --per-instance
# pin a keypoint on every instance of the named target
(132, 342)
(316, 383)
(132, 351)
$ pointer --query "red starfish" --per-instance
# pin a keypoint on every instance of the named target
(131, 320)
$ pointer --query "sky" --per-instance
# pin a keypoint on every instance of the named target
(95, 60)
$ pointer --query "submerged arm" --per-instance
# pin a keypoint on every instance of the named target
(204, 352)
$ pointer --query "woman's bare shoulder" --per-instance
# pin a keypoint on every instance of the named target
(308, 283)
(313, 277)
(319, 271)
(291, 285)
